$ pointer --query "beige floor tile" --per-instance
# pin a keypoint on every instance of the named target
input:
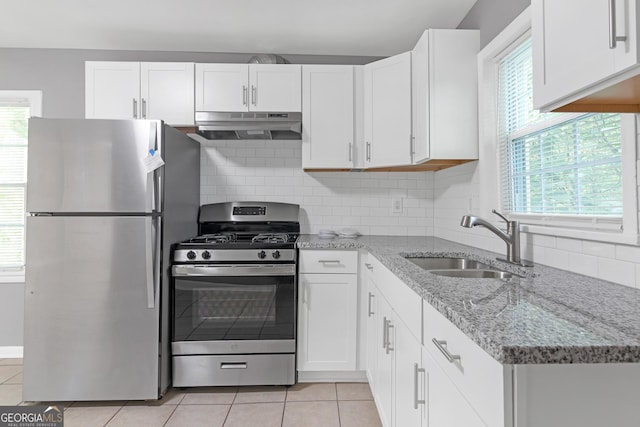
(260, 394)
(354, 391)
(255, 414)
(209, 396)
(10, 394)
(198, 416)
(9, 371)
(358, 414)
(311, 414)
(13, 362)
(142, 416)
(93, 416)
(309, 392)
(16, 379)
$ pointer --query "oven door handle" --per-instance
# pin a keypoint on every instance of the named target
(235, 270)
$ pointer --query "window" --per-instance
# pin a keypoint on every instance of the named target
(15, 109)
(559, 169)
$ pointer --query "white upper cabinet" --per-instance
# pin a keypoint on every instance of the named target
(140, 90)
(583, 53)
(444, 97)
(328, 116)
(248, 87)
(387, 111)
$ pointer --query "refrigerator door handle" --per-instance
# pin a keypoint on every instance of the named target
(150, 257)
(152, 178)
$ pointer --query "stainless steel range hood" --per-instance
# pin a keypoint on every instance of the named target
(226, 125)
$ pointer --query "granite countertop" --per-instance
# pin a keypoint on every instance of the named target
(547, 316)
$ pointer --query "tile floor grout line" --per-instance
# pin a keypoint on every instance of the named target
(113, 416)
(175, 407)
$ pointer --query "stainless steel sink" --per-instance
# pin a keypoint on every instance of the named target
(475, 274)
(434, 263)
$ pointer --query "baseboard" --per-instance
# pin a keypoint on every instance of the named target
(9, 352)
(332, 376)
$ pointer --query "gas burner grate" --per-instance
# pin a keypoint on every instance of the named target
(271, 238)
(215, 238)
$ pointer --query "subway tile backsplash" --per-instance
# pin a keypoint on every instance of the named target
(272, 170)
(432, 204)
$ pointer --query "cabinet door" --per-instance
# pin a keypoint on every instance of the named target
(571, 47)
(387, 105)
(275, 87)
(112, 90)
(409, 378)
(222, 87)
(373, 342)
(420, 99)
(385, 353)
(166, 92)
(327, 116)
(327, 322)
(445, 407)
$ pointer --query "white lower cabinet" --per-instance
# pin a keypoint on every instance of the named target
(445, 405)
(409, 378)
(327, 304)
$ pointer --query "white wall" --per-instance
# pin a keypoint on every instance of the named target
(459, 190)
(272, 170)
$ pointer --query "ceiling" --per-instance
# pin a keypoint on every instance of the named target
(321, 27)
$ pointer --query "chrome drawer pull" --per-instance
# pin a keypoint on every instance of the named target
(369, 312)
(389, 326)
(329, 261)
(441, 346)
(233, 365)
(416, 372)
(369, 266)
(384, 333)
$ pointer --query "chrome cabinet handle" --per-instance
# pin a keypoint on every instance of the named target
(384, 333)
(349, 151)
(135, 108)
(412, 145)
(369, 312)
(254, 91)
(368, 151)
(244, 95)
(613, 38)
(369, 266)
(233, 365)
(441, 345)
(329, 261)
(389, 327)
(144, 108)
(416, 389)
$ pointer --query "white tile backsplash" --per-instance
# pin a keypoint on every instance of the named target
(272, 170)
(433, 204)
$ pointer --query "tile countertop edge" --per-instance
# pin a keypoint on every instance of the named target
(388, 253)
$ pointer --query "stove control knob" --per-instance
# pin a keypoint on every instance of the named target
(191, 255)
(262, 254)
(206, 255)
(275, 254)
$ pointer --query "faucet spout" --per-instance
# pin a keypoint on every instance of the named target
(511, 237)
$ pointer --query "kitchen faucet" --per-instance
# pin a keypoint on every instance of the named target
(511, 237)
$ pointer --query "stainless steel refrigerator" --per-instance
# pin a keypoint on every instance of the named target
(100, 223)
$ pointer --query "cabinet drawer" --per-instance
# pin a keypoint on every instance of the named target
(312, 261)
(481, 379)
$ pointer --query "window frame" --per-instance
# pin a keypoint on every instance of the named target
(34, 99)
(489, 174)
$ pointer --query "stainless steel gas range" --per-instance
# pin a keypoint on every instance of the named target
(234, 297)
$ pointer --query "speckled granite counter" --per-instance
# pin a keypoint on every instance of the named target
(548, 316)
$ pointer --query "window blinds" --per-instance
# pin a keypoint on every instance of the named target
(554, 163)
(14, 117)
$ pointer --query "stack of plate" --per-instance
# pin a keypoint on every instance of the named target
(348, 233)
(327, 234)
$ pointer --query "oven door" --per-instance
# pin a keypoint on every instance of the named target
(227, 309)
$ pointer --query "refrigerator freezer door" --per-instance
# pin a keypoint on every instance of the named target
(92, 166)
(89, 334)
